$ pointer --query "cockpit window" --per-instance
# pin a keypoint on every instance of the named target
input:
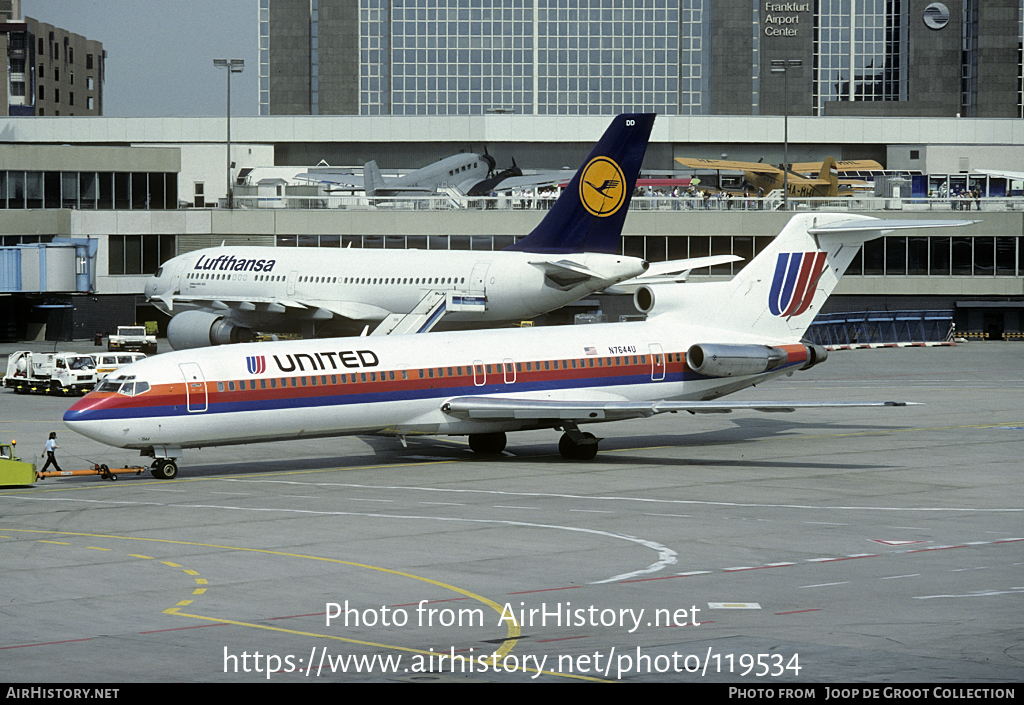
(123, 385)
(159, 272)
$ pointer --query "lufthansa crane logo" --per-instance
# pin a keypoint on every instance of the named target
(602, 187)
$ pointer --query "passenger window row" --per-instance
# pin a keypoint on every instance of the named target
(440, 372)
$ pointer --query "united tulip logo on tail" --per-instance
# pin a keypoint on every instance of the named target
(796, 276)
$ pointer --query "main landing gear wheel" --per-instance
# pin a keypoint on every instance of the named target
(164, 469)
(571, 450)
(487, 443)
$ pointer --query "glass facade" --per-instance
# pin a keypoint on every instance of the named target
(859, 50)
(264, 92)
(88, 190)
(894, 256)
(589, 57)
(543, 57)
(1020, 59)
(139, 254)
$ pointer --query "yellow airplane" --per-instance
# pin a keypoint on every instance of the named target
(826, 184)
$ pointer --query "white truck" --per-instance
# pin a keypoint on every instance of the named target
(50, 373)
(132, 338)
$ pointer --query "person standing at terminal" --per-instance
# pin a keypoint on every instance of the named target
(48, 451)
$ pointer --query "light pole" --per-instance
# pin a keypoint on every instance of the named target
(782, 66)
(232, 66)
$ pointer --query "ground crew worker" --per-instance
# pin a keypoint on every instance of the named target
(48, 450)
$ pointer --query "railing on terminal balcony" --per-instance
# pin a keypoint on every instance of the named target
(666, 204)
(881, 327)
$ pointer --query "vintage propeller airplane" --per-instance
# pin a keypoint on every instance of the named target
(825, 184)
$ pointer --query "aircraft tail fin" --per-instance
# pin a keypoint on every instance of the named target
(373, 180)
(589, 214)
(830, 174)
(778, 294)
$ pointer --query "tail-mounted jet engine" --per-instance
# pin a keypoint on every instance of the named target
(740, 360)
(199, 329)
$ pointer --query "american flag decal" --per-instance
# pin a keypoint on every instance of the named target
(256, 364)
(590, 351)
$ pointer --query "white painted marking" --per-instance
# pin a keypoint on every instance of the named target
(666, 556)
(894, 542)
(803, 587)
(734, 605)
(981, 593)
(897, 577)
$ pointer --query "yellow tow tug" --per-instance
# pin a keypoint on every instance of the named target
(14, 471)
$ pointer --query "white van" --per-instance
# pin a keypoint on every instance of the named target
(109, 361)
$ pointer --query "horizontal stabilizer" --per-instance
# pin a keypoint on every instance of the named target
(673, 271)
(565, 273)
(877, 224)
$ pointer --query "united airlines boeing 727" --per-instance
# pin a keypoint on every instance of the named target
(700, 343)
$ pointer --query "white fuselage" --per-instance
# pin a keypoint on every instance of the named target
(394, 385)
(256, 286)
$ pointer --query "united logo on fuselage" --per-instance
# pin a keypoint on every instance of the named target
(602, 187)
(256, 364)
(796, 277)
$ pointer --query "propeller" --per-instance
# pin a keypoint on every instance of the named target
(491, 164)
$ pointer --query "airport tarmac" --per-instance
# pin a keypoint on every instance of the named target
(858, 545)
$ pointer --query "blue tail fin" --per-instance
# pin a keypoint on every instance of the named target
(589, 214)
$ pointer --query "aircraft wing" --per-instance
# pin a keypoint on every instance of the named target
(534, 180)
(225, 303)
(1014, 175)
(841, 166)
(355, 311)
(730, 165)
(331, 178)
(507, 408)
(672, 271)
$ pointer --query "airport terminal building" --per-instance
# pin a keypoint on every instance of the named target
(92, 205)
(603, 57)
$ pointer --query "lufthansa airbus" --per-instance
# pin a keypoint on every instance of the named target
(485, 384)
(221, 295)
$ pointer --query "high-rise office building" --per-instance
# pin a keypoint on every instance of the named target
(50, 71)
(677, 57)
